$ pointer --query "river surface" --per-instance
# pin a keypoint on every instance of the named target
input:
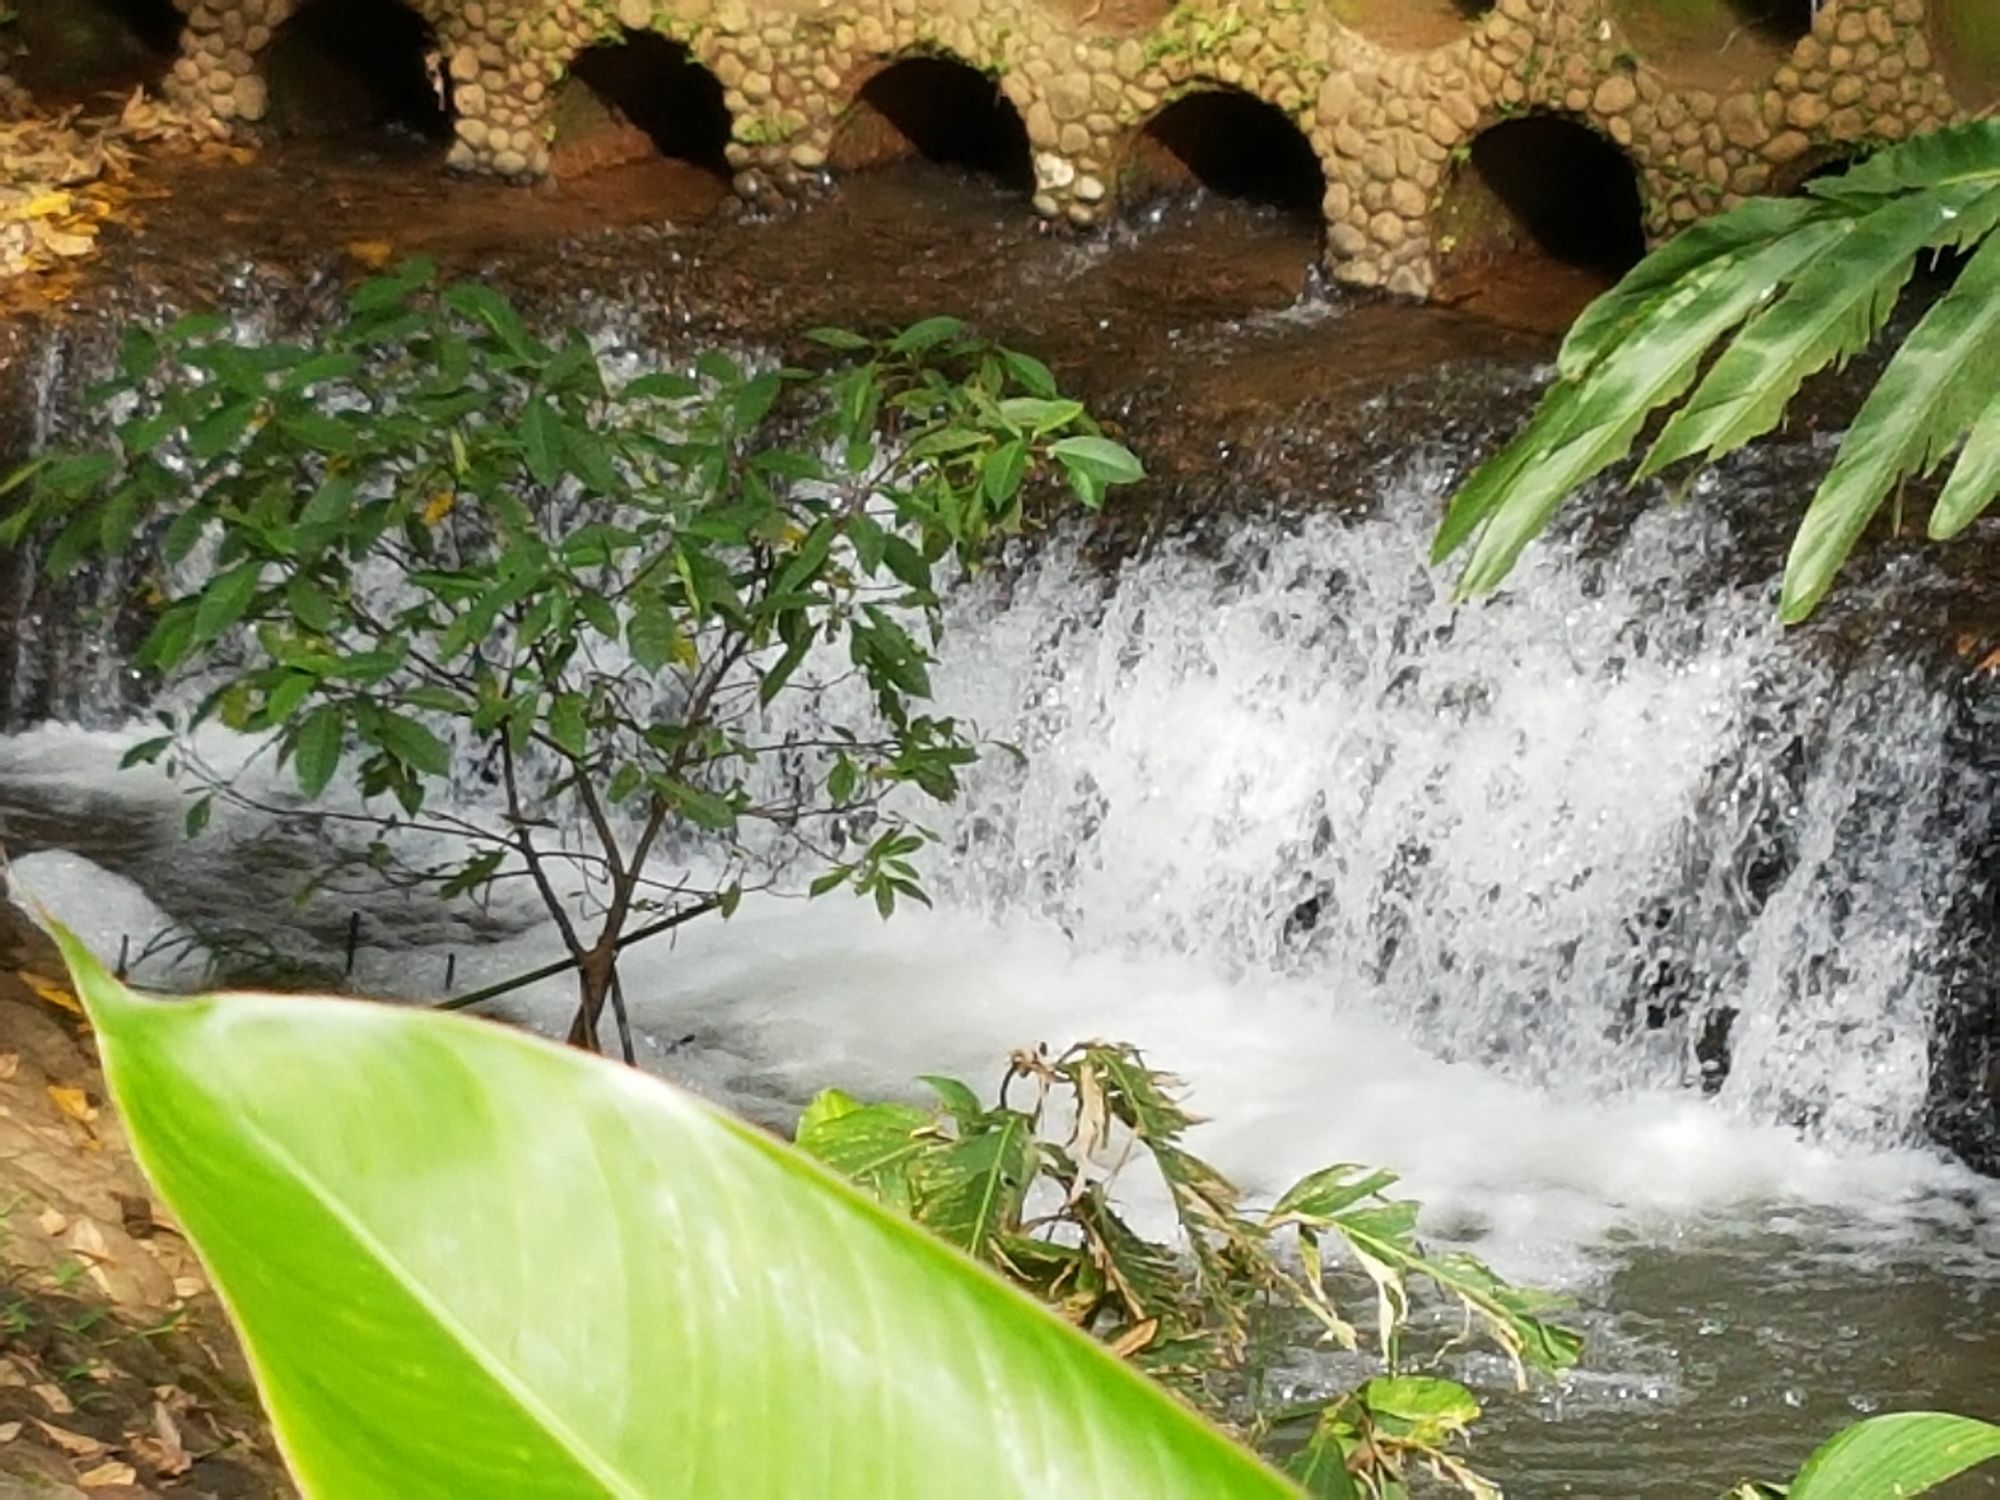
(1464, 892)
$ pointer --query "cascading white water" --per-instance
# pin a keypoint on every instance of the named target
(1524, 829)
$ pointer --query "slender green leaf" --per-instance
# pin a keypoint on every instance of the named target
(1939, 382)
(1975, 481)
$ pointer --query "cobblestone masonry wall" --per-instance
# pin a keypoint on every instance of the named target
(1388, 124)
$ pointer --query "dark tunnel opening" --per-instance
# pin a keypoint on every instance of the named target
(646, 91)
(944, 111)
(1237, 146)
(1568, 191)
(341, 67)
(77, 48)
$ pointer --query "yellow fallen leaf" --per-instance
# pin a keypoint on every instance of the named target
(53, 991)
(54, 1399)
(72, 1102)
(440, 506)
(374, 254)
(46, 205)
(108, 1474)
(76, 1444)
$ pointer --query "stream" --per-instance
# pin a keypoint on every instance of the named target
(1618, 921)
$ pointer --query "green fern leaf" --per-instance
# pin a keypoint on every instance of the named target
(1729, 236)
(1937, 385)
(1833, 311)
(1958, 154)
(1644, 372)
(1975, 483)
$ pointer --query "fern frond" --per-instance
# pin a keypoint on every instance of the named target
(1788, 288)
(1936, 386)
(1619, 311)
(1643, 373)
(1834, 310)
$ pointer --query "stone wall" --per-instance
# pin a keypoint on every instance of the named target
(1390, 110)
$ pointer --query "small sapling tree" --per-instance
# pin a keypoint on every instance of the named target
(441, 552)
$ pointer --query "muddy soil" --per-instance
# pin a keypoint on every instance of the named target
(119, 1375)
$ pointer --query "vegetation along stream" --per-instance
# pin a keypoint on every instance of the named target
(1651, 942)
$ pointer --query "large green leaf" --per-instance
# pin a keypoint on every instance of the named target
(468, 1263)
(1904, 1453)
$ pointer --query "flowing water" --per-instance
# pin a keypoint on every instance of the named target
(1618, 921)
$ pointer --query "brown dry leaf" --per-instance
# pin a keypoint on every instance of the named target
(163, 1451)
(73, 1102)
(10, 1064)
(9, 1431)
(106, 1474)
(189, 1286)
(75, 1444)
(1136, 1338)
(51, 1222)
(54, 1399)
(52, 990)
(1990, 663)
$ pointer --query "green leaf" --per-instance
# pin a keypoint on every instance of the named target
(1585, 428)
(1435, 1408)
(972, 1190)
(226, 600)
(316, 750)
(322, 434)
(541, 442)
(920, 337)
(378, 1189)
(1606, 322)
(663, 385)
(652, 634)
(1104, 460)
(413, 744)
(1038, 414)
(1832, 311)
(1975, 481)
(568, 725)
(1033, 375)
(839, 339)
(1938, 384)
(1904, 1453)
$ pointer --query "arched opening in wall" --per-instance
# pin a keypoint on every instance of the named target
(70, 50)
(1544, 209)
(1412, 25)
(939, 109)
(1234, 145)
(638, 99)
(1719, 45)
(1965, 41)
(355, 67)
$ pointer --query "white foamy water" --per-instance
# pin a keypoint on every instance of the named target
(1457, 891)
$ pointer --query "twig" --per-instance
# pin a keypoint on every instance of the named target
(563, 966)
